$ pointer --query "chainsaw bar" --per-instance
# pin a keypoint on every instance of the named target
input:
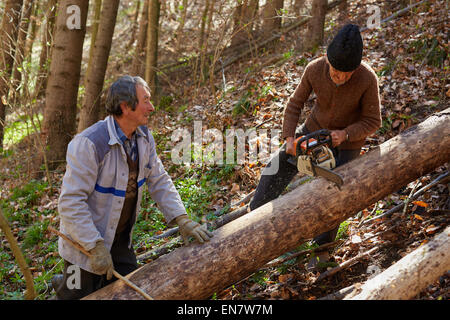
(329, 175)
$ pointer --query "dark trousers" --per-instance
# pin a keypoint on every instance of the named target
(124, 261)
(271, 185)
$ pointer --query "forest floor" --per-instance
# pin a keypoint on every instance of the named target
(410, 56)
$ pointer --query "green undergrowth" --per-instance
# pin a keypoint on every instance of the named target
(28, 221)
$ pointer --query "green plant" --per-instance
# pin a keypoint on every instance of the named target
(19, 129)
(165, 103)
(29, 193)
(243, 105)
(387, 69)
(430, 51)
(260, 278)
(342, 231)
(301, 62)
(35, 234)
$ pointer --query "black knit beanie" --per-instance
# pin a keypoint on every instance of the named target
(345, 51)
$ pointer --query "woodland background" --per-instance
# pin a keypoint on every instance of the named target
(230, 64)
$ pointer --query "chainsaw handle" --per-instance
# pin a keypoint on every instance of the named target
(322, 137)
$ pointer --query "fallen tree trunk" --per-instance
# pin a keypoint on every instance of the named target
(244, 245)
(409, 276)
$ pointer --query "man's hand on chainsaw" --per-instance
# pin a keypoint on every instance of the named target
(338, 137)
(290, 146)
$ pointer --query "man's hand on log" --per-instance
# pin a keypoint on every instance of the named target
(189, 228)
(101, 260)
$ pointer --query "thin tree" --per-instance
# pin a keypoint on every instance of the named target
(152, 47)
(179, 31)
(63, 81)
(20, 48)
(314, 37)
(47, 39)
(243, 21)
(97, 66)
(8, 38)
(135, 24)
(139, 54)
(272, 17)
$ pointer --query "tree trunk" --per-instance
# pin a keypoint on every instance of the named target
(152, 48)
(343, 13)
(8, 38)
(272, 17)
(241, 247)
(179, 32)
(47, 39)
(62, 87)
(314, 37)
(298, 6)
(243, 20)
(94, 32)
(20, 50)
(139, 55)
(35, 16)
(135, 24)
(97, 67)
(412, 274)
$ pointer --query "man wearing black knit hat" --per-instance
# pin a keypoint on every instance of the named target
(347, 104)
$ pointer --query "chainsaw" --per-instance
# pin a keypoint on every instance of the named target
(314, 156)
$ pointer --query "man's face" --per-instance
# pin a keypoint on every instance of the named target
(144, 107)
(339, 77)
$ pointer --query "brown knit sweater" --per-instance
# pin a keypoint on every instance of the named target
(353, 106)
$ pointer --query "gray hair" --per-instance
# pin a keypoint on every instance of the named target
(123, 90)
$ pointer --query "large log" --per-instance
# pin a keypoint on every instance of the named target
(244, 245)
(409, 276)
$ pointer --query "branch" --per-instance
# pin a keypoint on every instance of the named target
(345, 264)
(30, 293)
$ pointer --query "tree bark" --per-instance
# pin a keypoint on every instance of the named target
(241, 247)
(64, 76)
(152, 47)
(20, 50)
(97, 67)
(272, 17)
(243, 20)
(139, 55)
(47, 39)
(314, 37)
(409, 276)
(8, 39)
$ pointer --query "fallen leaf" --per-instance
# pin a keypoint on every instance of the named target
(285, 277)
(432, 229)
(420, 203)
(234, 188)
(356, 239)
(396, 123)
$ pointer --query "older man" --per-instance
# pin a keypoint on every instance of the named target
(107, 165)
(347, 104)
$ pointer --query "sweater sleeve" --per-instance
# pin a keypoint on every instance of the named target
(295, 104)
(370, 117)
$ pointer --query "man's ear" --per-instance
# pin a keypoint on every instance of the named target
(125, 108)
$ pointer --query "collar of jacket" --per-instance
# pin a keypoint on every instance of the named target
(113, 136)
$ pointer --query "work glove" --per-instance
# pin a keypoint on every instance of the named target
(189, 228)
(101, 260)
